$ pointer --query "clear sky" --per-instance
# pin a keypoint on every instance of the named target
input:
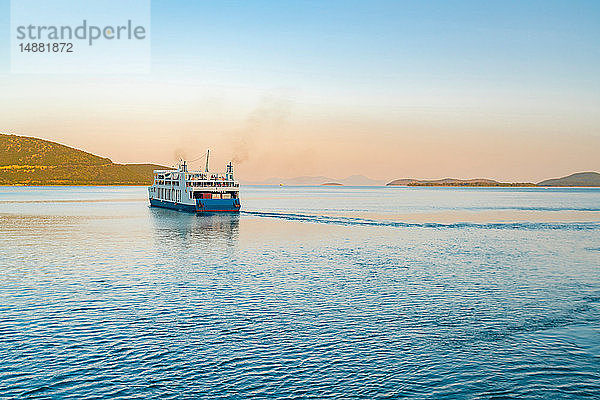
(388, 89)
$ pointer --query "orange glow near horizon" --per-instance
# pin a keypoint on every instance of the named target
(282, 134)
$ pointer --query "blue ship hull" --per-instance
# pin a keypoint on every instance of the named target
(202, 205)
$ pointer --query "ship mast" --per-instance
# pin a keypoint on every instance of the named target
(207, 154)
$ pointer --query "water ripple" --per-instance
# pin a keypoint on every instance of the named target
(126, 302)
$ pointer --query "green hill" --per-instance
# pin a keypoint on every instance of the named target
(578, 179)
(32, 161)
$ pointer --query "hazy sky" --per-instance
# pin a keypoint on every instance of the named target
(388, 89)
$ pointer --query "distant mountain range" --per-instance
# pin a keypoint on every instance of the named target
(353, 180)
(32, 161)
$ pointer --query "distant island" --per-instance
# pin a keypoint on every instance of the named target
(480, 182)
(332, 184)
(578, 179)
(31, 161)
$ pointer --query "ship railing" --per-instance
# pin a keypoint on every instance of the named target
(210, 184)
(208, 177)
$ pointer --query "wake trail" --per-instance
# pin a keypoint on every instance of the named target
(355, 221)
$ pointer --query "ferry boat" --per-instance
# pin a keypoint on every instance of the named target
(195, 191)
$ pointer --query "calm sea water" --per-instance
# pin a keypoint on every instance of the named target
(311, 292)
